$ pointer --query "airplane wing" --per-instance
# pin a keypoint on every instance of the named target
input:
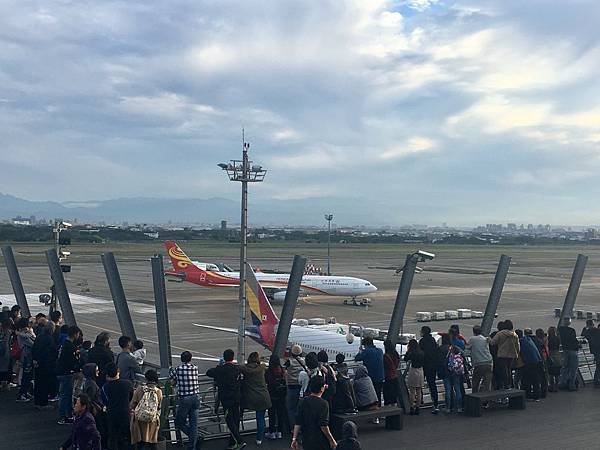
(226, 330)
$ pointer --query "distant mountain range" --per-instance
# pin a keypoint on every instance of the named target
(192, 211)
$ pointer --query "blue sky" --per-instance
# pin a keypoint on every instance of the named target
(424, 111)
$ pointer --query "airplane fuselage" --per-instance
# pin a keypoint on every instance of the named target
(315, 284)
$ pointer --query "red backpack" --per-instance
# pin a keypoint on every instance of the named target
(15, 349)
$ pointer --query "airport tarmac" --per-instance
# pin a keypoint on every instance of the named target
(537, 283)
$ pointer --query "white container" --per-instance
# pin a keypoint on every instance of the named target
(317, 321)
(464, 313)
(301, 322)
(451, 314)
(476, 314)
(423, 316)
(439, 315)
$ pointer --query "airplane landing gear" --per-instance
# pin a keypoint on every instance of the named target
(357, 302)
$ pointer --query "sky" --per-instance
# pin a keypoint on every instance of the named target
(420, 111)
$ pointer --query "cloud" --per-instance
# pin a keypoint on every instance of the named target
(480, 97)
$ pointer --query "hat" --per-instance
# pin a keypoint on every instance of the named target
(528, 331)
(296, 350)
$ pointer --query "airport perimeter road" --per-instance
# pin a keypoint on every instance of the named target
(562, 421)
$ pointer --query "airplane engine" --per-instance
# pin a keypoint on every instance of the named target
(349, 338)
(279, 296)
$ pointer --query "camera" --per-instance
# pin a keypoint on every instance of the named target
(425, 255)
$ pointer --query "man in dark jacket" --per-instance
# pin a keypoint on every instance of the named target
(430, 365)
(67, 365)
(102, 355)
(44, 361)
(85, 435)
(570, 346)
(592, 335)
(227, 378)
(116, 395)
(350, 437)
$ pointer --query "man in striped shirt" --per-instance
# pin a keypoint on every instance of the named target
(185, 377)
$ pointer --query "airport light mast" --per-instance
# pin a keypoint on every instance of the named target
(245, 172)
(328, 218)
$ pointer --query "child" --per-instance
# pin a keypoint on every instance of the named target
(140, 352)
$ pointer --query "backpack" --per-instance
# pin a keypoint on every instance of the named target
(455, 363)
(15, 349)
(147, 409)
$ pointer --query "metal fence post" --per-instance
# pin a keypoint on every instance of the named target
(408, 274)
(578, 271)
(289, 305)
(495, 294)
(118, 295)
(15, 280)
(60, 287)
(162, 314)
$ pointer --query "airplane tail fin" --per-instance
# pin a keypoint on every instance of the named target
(179, 259)
(263, 316)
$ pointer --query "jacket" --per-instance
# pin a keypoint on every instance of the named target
(275, 378)
(372, 358)
(145, 431)
(84, 435)
(479, 350)
(363, 388)
(593, 338)
(430, 348)
(89, 386)
(568, 338)
(507, 342)
(44, 351)
(255, 395)
(350, 437)
(68, 360)
(101, 356)
(344, 399)
(227, 378)
(293, 368)
(529, 351)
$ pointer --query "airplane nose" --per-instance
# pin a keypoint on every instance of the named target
(373, 288)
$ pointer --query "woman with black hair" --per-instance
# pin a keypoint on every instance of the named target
(85, 435)
(275, 377)
(414, 379)
(146, 403)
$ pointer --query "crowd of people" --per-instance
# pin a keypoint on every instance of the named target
(49, 362)
(100, 394)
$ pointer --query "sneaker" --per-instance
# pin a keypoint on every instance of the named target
(65, 421)
(270, 435)
(435, 411)
(376, 420)
(53, 399)
(279, 435)
(23, 399)
(258, 442)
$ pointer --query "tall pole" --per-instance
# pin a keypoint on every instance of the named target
(495, 294)
(243, 245)
(569, 304)
(118, 294)
(328, 218)
(15, 280)
(289, 305)
(60, 287)
(162, 314)
(397, 320)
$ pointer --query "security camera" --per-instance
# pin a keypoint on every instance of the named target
(425, 255)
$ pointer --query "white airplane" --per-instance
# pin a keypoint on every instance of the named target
(184, 269)
(265, 323)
